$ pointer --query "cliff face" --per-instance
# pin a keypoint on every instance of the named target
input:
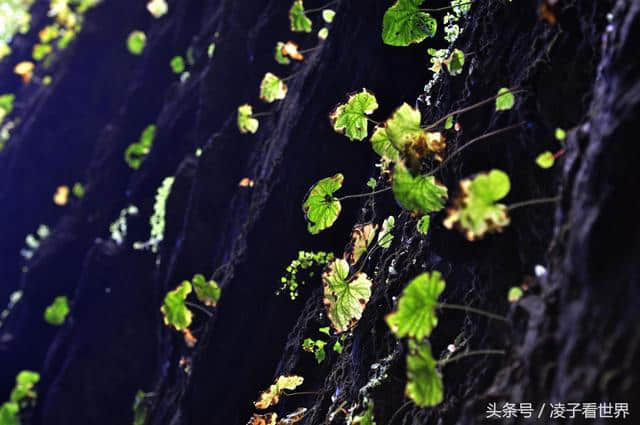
(573, 337)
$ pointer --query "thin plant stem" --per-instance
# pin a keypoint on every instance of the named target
(366, 258)
(300, 393)
(319, 9)
(533, 202)
(470, 354)
(439, 9)
(473, 310)
(197, 307)
(401, 408)
(261, 114)
(471, 142)
(310, 49)
(471, 107)
(364, 195)
(291, 76)
(373, 121)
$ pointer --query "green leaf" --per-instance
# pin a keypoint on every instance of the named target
(455, 62)
(157, 8)
(299, 21)
(404, 23)
(78, 190)
(211, 49)
(405, 134)
(323, 33)
(328, 15)
(272, 88)
(136, 42)
(207, 291)
(361, 237)
(386, 237)
(140, 408)
(246, 122)
(9, 413)
(57, 312)
(326, 330)
(382, 144)
(475, 211)
(424, 382)
(279, 56)
(177, 65)
(421, 194)
(515, 293)
(25, 382)
(351, 118)
(271, 396)
(321, 208)
(337, 347)
(545, 160)
(505, 99)
(448, 124)
(560, 134)
(345, 299)
(137, 152)
(174, 309)
(372, 183)
(423, 225)
(415, 315)
(6, 105)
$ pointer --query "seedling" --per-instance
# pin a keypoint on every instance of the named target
(304, 262)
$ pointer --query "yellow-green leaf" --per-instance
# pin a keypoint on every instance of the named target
(174, 309)
(321, 207)
(207, 291)
(246, 122)
(299, 21)
(404, 23)
(351, 118)
(57, 312)
(271, 396)
(424, 382)
(421, 194)
(272, 88)
(344, 298)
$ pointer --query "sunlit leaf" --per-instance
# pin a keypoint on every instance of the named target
(421, 194)
(382, 144)
(246, 122)
(424, 382)
(24, 387)
(272, 88)
(372, 183)
(137, 152)
(455, 62)
(56, 313)
(423, 225)
(299, 21)
(6, 105)
(415, 316)
(361, 237)
(291, 50)
(323, 33)
(344, 299)
(321, 207)
(351, 118)
(505, 99)
(405, 134)
(271, 396)
(404, 23)
(9, 413)
(158, 8)
(136, 42)
(279, 54)
(78, 190)
(174, 309)
(25, 70)
(475, 211)
(207, 291)
(560, 134)
(385, 237)
(61, 197)
(177, 65)
(545, 160)
(515, 293)
(328, 15)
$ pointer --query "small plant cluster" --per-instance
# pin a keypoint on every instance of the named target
(316, 346)
(118, 229)
(175, 308)
(137, 152)
(272, 87)
(271, 396)
(56, 313)
(157, 219)
(305, 261)
(22, 396)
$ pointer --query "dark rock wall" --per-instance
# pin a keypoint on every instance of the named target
(573, 338)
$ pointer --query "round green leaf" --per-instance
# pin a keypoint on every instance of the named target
(174, 309)
(246, 122)
(515, 294)
(404, 23)
(177, 65)
(382, 144)
(351, 118)
(505, 99)
(279, 56)
(344, 299)
(207, 291)
(323, 33)
(421, 194)
(545, 160)
(416, 316)
(424, 382)
(328, 15)
(57, 312)
(25, 381)
(423, 225)
(136, 42)
(321, 208)
(560, 134)
(299, 21)
(272, 88)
